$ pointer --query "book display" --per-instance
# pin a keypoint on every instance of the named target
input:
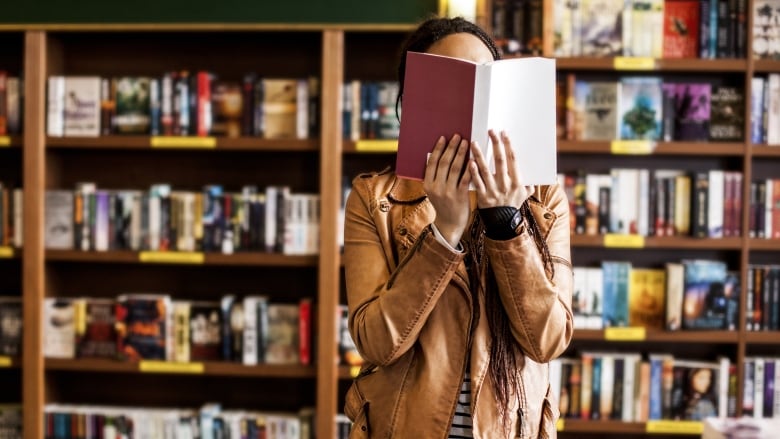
(172, 220)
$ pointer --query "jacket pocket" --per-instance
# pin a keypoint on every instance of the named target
(356, 409)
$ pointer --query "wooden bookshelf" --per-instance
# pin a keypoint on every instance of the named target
(214, 368)
(707, 66)
(131, 257)
(766, 151)
(669, 242)
(660, 148)
(682, 336)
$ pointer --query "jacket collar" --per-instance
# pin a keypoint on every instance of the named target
(406, 191)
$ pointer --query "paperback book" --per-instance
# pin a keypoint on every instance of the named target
(445, 96)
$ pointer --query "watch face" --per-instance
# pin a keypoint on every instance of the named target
(517, 218)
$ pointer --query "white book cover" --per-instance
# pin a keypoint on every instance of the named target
(758, 387)
(302, 109)
(675, 285)
(58, 221)
(59, 328)
(18, 216)
(773, 109)
(270, 217)
(55, 121)
(595, 297)
(82, 106)
(715, 195)
(768, 207)
(630, 362)
(250, 330)
(643, 195)
(607, 386)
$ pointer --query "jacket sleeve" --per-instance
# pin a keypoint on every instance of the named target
(388, 307)
(538, 306)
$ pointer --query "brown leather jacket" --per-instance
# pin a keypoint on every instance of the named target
(410, 312)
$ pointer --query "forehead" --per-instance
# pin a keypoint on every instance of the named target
(464, 46)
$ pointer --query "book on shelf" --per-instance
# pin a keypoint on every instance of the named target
(640, 109)
(144, 327)
(11, 422)
(704, 298)
(445, 96)
(96, 328)
(681, 29)
(82, 106)
(11, 322)
(132, 105)
(205, 321)
(283, 337)
(59, 328)
(766, 29)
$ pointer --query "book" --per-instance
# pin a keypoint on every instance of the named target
(727, 114)
(82, 106)
(640, 108)
(11, 421)
(766, 29)
(692, 111)
(681, 29)
(205, 331)
(59, 328)
(697, 396)
(143, 322)
(280, 98)
(599, 103)
(96, 328)
(283, 334)
(445, 96)
(646, 303)
(132, 105)
(227, 106)
(704, 300)
(10, 326)
(601, 27)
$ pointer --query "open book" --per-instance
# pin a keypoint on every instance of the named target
(447, 96)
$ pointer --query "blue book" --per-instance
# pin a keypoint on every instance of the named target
(705, 304)
(757, 110)
(656, 392)
(615, 301)
(595, 399)
(640, 108)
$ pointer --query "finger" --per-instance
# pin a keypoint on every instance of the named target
(499, 158)
(445, 162)
(458, 161)
(483, 172)
(433, 160)
(512, 166)
(478, 169)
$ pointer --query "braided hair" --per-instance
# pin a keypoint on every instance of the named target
(504, 348)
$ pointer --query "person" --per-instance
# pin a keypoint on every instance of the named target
(699, 402)
(457, 299)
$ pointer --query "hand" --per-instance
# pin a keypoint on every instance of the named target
(504, 187)
(448, 187)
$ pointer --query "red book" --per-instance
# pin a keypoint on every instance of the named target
(445, 96)
(304, 333)
(681, 29)
(776, 209)
(204, 104)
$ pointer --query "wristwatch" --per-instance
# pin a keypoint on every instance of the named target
(503, 222)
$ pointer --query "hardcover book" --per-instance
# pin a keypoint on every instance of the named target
(133, 105)
(640, 108)
(82, 106)
(283, 334)
(59, 328)
(766, 29)
(280, 97)
(446, 96)
(59, 219)
(10, 326)
(681, 29)
(601, 27)
(205, 331)
(704, 298)
(143, 322)
(96, 331)
(727, 114)
(599, 104)
(692, 111)
(227, 104)
(646, 304)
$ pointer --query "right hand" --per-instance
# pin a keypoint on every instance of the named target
(447, 190)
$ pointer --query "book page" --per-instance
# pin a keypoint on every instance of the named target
(522, 102)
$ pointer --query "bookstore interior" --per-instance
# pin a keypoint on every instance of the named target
(172, 190)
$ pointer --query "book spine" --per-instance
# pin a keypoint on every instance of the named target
(204, 104)
(55, 126)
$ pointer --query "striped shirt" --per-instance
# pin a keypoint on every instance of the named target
(461, 422)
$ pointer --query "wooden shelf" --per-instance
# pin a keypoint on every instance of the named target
(762, 337)
(665, 65)
(671, 242)
(765, 244)
(222, 143)
(766, 66)
(766, 151)
(683, 336)
(661, 148)
(10, 362)
(613, 427)
(236, 259)
(209, 368)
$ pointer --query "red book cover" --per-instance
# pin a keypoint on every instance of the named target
(776, 209)
(204, 104)
(681, 29)
(304, 323)
(445, 96)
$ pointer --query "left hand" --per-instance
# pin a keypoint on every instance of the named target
(503, 188)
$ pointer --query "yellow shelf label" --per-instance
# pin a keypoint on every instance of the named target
(6, 252)
(632, 333)
(559, 424)
(674, 427)
(5, 361)
(376, 145)
(635, 147)
(354, 371)
(5, 141)
(633, 63)
(171, 257)
(183, 142)
(614, 240)
(153, 366)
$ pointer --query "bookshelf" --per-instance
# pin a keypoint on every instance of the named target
(334, 53)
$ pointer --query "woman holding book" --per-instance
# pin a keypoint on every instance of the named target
(457, 299)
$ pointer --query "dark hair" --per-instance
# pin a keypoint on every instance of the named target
(431, 31)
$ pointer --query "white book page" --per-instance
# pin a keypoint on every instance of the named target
(522, 103)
